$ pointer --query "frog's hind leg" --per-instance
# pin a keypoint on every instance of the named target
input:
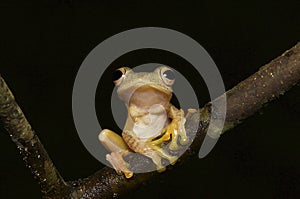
(114, 143)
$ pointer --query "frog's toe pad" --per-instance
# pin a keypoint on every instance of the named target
(128, 174)
(173, 146)
(161, 169)
(184, 140)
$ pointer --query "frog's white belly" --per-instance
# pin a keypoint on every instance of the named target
(151, 125)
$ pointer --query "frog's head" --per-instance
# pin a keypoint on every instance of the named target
(129, 82)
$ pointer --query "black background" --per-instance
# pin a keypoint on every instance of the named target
(43, 43)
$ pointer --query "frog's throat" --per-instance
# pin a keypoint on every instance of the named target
(151, 124)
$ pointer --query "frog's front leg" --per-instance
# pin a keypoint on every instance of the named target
(176, 128)
(115, 143)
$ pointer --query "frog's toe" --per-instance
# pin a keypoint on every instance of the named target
(161, 169)
(173, 145)
(128, 174)
(173, 160)
(184, 140)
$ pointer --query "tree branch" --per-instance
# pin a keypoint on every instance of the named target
(243, 101)
(30, 147)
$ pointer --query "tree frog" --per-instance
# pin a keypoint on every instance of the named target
(151, 119)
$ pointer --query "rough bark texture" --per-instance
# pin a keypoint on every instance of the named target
(267, 84)
(243, 101)
(30, 147)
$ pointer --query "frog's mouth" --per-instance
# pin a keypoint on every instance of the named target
(145, 93)
(159, 88)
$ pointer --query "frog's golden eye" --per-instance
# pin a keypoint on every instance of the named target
(168, 76)
(118, 75)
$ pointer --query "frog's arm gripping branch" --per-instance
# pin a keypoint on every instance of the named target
(243, 101)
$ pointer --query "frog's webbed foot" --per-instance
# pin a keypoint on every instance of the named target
(114, 143)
